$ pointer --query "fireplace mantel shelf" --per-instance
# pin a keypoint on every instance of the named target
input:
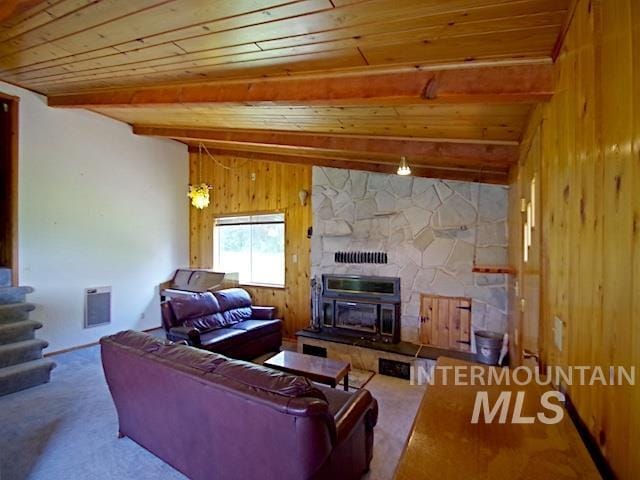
(400, 348)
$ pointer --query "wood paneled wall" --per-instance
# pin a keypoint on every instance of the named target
(524, 286)
(249, 186)
(590, 174)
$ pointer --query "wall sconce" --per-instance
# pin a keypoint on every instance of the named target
(302, 195)
(199, 195)
(403, 168)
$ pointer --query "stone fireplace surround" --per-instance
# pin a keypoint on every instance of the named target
(428, 227)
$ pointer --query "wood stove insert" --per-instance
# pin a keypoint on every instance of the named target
(362, 306)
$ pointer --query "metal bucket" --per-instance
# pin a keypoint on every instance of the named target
(488, 346)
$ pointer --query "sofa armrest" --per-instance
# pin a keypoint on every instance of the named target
(263, 313)
(360, 407)
(190, 334)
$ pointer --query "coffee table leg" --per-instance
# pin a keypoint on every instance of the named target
(346, 382)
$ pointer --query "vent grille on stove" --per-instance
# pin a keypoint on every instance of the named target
(361, 257)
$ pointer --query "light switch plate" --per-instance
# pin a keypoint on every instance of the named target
(558, 332)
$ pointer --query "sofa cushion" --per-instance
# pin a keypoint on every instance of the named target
(236, 315)
(207, 323)
(188, 307)
(174, 354)
(221, 339)
(258, 328)
(249, 374)
(269, 380)
(200, 310)
(231, 298)
(235, 304)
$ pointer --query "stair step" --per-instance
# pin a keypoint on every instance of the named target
(14, 312)
(14, 294)
(25, 375)
(20, 352)
(5, 277)
(18, 331)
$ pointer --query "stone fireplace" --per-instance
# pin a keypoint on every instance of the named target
(430, 231)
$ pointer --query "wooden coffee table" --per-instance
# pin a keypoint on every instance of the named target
(317, 369)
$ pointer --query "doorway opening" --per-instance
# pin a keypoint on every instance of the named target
(9, 184)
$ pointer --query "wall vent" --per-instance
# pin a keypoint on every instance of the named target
(314, 350)
(361, 257)
(394, 368)
(97, 306)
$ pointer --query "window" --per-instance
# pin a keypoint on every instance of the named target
(252, 245)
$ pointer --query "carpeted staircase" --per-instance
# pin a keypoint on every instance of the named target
(21, 362)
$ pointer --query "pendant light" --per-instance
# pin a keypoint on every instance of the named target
(199, 193)
(403, 168)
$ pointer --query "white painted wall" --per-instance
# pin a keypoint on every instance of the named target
(98, 206)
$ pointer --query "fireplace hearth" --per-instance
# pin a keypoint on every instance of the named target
(361, 306)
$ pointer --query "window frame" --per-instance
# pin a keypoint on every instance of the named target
(282, 212)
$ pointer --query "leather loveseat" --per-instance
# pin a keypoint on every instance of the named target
(212, 417)
(223, 322)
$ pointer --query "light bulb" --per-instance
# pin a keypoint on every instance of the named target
(403, 168)
(199, 195)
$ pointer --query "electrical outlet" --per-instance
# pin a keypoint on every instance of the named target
(558, 332)
(294, 258)
(253, 176)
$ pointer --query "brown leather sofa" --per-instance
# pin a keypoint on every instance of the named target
(223, 322)
(213, 417)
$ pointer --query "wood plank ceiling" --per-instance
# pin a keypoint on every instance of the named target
(418, 71)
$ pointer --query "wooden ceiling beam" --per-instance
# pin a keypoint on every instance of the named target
(10, 8)
(438, 152)
(482, 176)
(528, 83)
(426, 161)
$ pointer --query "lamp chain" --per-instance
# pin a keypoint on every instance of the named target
(201, 146)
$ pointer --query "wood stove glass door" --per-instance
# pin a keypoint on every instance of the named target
(357, 316)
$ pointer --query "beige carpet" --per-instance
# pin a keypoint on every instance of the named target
(398, 403)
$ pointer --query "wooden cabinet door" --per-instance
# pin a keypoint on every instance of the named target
(445, 322)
